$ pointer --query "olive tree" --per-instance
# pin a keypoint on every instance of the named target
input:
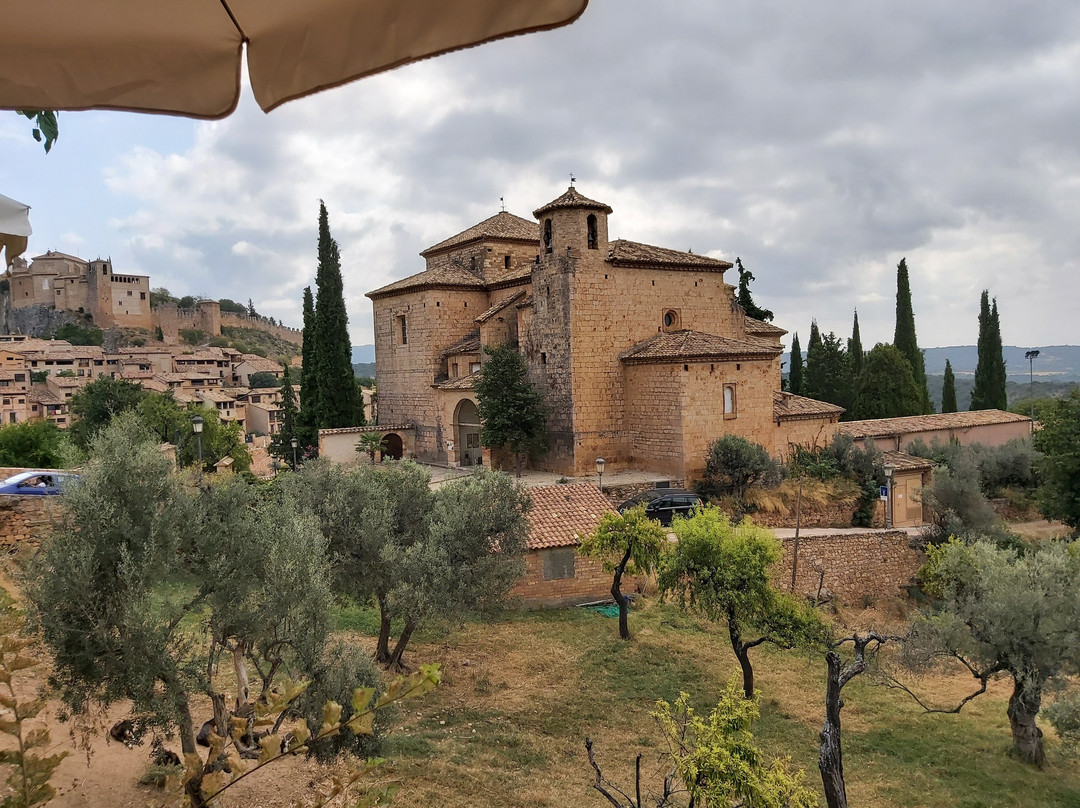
(420, 555)
(146, 583)
(627, 544)
(723, 571)
(1005, 614)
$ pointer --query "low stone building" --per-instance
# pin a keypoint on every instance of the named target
(642, 354)
(988, 427)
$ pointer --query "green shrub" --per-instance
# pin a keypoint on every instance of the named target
(734, 464)
(192, 336)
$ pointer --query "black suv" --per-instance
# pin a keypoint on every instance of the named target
(662, 504)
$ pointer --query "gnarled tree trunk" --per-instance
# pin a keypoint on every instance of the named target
(742, 653)
(399, 649)
(1024, 705)
(830, 756)
(621, 599)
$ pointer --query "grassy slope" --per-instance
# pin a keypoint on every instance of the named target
(521, 692)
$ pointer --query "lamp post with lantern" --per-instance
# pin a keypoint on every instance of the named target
(196, 426)
(888, 496)
(600, 462)
(294, 443)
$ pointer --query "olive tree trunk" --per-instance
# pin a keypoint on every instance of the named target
(1024, 705)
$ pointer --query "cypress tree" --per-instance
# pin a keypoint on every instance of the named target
(810, 377)
(281, 443)
(307, 428)
(745, 299)
(989, 392)
(999, 396)
(333, 353)
(795, 377)
(948, 389)
(887, 388)
(855, 349)
(904, 337)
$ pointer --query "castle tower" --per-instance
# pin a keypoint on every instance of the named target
(210, 317)
(99, 292)
(560, 346)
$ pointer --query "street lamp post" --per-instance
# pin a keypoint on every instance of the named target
(888, 496)
(600, 462)
(1031, 356)
(294, 443)
(197, 425)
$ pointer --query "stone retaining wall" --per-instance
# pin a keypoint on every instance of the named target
(24, 520)
(858, 568)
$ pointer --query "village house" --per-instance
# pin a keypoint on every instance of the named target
(642, 354)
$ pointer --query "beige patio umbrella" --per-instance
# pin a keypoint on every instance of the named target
(14, 228)
(183, 56)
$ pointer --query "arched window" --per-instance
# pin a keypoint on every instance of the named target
(594, 238)
(547, 235)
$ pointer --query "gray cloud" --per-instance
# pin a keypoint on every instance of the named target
(819, 142)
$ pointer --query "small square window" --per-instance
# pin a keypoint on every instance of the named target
(559, 563)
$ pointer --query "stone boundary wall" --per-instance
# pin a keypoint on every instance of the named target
(858, 568)
(812, 516)
(617, 494)
(24, 520)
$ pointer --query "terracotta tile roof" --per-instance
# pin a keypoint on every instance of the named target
(261, 364)
(697, 346)
(761, 328)
(883, 427)
(453, 277)
(43, 395)
(460, 383)
(790, 407)
(560, 513)
(215, 395)
(487, 315)
(357, 429)
(70, 381)
(470, 343)
(503, 225)
(905, 462)
(34, 344)
(570, 199)
(632, 253)
(499, 277)
(155, 385)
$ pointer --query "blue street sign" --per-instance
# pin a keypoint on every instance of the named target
(884, 492)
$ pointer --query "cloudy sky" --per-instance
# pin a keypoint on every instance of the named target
(820, 142)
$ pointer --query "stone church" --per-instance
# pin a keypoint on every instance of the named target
(642, 354)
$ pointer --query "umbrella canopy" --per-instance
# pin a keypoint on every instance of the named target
(183, 56)
(14, 228)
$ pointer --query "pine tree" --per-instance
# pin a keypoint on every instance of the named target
(307, 428)
(828, 371)
(795, 377)
(855, 349)
(904, 338)
(333, 352)
(948, 389)
(989, 392)
(744, 297)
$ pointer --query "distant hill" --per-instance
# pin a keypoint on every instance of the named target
(361, 369)
(362, 354)
(1057, 363)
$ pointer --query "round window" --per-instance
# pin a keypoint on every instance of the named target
(670, 319)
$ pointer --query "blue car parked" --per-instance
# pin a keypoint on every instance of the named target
(39, 483)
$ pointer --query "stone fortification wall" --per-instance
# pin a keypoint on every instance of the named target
(294, 336)
(855, 567)
(172, 320)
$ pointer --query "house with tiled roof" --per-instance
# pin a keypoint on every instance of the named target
(641, 352)
(988, 427)
(555, 574)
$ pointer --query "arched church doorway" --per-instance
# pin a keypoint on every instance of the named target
(467, 429)
(393, 449)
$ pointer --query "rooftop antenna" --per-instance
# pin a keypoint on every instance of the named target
(502, 204)
(573, 179)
